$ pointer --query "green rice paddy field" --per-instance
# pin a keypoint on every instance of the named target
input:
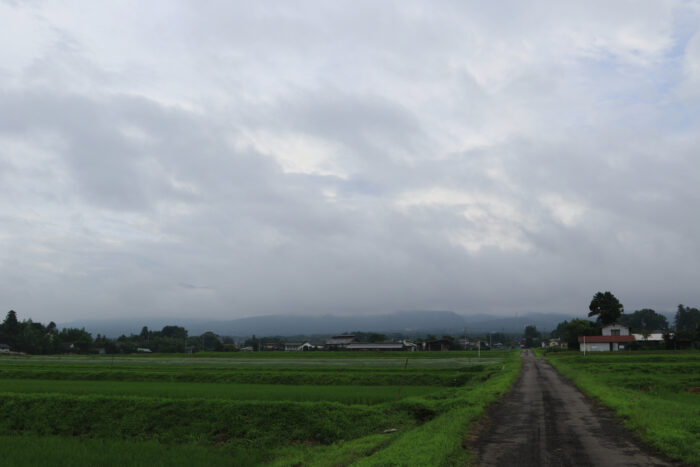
(268, 408)
(657, 394)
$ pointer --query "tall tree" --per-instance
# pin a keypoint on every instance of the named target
(645, 320)
(575, 328)
(606, 307)
(176, 332)
(11, 328)
(531, 335)
(687, 319)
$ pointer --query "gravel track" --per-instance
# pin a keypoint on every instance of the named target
(546, 421)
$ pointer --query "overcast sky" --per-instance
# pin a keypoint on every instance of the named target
(224, 159)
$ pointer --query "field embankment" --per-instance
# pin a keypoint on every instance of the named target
(368, 409)
(657, 394)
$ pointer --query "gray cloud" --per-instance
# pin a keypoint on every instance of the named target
(304, 158)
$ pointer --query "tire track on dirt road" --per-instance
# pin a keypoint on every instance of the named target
(546, 421)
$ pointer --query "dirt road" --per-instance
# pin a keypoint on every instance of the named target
(546, 421)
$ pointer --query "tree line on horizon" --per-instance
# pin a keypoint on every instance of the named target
(35, 338)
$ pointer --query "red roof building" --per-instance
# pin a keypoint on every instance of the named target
(605, 339)
(614, 337)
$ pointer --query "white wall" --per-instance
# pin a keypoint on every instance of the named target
(596, 347)
(624, 330)
(656, 337)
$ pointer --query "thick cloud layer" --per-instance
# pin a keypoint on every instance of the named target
(222, 160)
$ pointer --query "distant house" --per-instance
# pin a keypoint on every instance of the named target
(410, 346)
(4, 348)
(615, 337)
(554, 343)
(297, 346)
(340, 341)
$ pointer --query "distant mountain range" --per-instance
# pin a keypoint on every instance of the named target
(406, 322)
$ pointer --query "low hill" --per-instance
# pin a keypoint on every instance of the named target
(406, 322)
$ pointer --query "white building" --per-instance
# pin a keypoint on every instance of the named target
(652, 337)
(615, 337)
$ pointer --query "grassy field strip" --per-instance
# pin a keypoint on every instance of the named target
(438, 442)
(343, 394)
(223, 362)
(294, 375)
(324, 412)
(63, 451)
(232, 424)
(651, 392)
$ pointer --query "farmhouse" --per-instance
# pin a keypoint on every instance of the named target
(614, 337)
(340, 342)
(297, 346)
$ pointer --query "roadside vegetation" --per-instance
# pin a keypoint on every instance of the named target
(270, 409)
(656, 394)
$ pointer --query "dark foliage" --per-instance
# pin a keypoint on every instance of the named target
(606, 307)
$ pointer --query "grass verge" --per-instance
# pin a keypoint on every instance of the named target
(439, 442)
